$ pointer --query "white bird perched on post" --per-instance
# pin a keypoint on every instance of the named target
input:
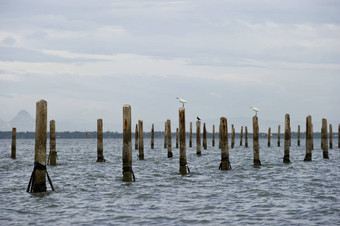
(255, 109)
(181, 101)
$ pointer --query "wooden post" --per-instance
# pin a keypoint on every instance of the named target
(100, 155)
(269, 135)
(52, 158)
(256, 146)
(246, 136)
(165, 136)
(309, 139)
(14, 143)
(339, 135)
(204, 137)
(299, 136)
(152, 137)
(330, 136)
(232, 136)
(241, 136)
(38, 178)
(287, 138)
(213, 136)
(190, 136)
(127, 145)
(140, 140)
(219, 137)
(168, 135)
(225, 164)
(182, 153)
(136, 138)
(324, 140)
(176, 137)
(290, 137)
(278, 135)
(198, 137)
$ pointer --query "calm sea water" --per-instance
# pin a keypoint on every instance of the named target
(91, 193)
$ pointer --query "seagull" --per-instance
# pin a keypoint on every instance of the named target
(198, 118)
(255, 109)
(181, 101)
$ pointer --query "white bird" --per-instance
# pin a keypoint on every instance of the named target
(255, 109)
(181, 101)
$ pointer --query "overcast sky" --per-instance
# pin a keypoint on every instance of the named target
(89, 58)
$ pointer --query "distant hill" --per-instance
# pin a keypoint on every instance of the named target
(23, 121)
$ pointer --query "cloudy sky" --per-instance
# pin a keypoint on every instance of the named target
(89, 58)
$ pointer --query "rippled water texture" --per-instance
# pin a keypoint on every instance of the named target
(87, 192)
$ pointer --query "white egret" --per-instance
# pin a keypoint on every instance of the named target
(181, 101)
(255, 109)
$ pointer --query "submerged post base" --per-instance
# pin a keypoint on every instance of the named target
(286, 159)
(257, 162)
(308, 157)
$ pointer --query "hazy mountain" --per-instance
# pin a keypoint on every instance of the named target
(22, 122)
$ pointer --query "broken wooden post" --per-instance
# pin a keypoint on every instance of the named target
(100, 155)
(246, 136)
(37, 181)
(330, 136)
(198, 137)
(152, 136)
(128, 174)
(14, 143)
(213, 136)
(225, 164)
(299, 136)
(140, 140)
(269, 135)
(219, 137)
(182, 152)
(324, 140)
(176, 137)
(241, 136)
(278, 135)
(52, 158)
(232, 136)
(339, 135)
(168, 135)
(309, 139)
(204, 137)
(190, 136)
(256, 145)
(287, 138)
(136, 137)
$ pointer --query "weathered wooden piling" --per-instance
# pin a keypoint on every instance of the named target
(269, 136)
(140, 140)
(190, 135)
(198, 137)
(176, 137)
(52, 158)
(213, 136)
(136, 137)
(330, 136)
(324, 140)
(100, 148)
(225, 163)
(278, 135)
(309, 139)
(37, 181)
(165, 136)
(14, 143)
(339, 135)
(219, 137)
(246, 136)
(204, 137)
(256, 145)
(241, 136)
(287, 138)
(128, 174)
(152, 136)
(299, 136)
(168, 135)
(232, 136)
(183, 168)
